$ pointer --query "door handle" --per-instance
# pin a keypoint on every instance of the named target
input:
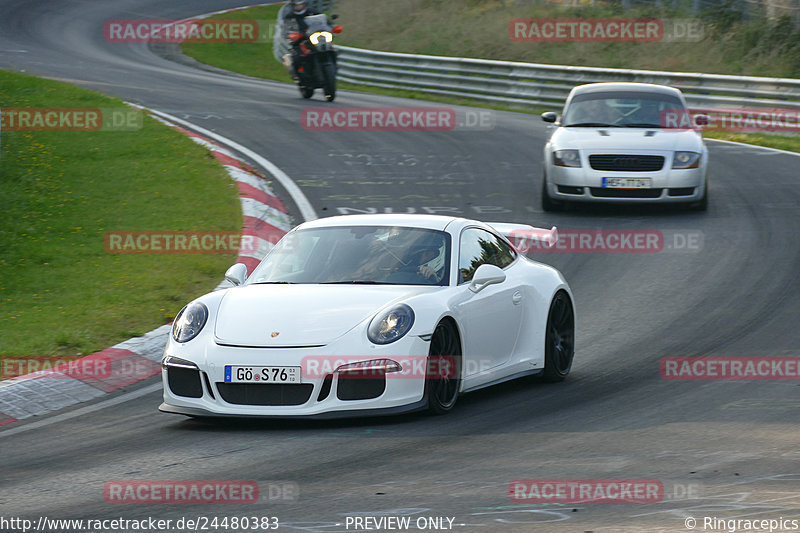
(517, 298)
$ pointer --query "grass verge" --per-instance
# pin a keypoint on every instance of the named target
(61, 293)
(730, 43)
(425, 27)
(252, 59)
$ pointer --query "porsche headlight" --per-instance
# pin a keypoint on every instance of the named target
(391, 325)
(566, 158)
(189, 322)
(686, 160)
(314, 38)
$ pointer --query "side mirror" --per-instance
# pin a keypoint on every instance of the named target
(337, 29)
(486, 275)
(334, 16)
(701, 120)
(236, 274)
(550, 116)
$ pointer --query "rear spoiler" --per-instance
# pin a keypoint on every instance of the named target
(527, 238)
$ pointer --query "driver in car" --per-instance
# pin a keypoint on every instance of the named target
(431, 264)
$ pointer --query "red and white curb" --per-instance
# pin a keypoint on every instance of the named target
(265, 221)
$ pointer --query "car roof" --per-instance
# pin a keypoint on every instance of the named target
(436, 222)
(624, 86)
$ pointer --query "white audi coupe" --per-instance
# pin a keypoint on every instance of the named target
(625, 143)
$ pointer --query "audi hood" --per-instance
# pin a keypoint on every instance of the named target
(602, 139)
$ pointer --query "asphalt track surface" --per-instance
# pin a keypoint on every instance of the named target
(722, 449)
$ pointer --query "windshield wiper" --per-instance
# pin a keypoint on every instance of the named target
(592, 125)
(274, 283)
(642, 125)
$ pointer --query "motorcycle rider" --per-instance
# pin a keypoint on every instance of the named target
(294, 21)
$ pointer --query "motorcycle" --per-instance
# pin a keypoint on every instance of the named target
(317, 68)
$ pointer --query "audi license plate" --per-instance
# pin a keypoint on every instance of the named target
(627, 183)
(262, 374)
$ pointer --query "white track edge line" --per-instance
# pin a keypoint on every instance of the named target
(787, 152)
(83, 410)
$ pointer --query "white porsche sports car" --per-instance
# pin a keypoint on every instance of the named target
(371, 314)
(625, 142)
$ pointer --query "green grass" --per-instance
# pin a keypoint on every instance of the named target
(479, 28)
(61, 293)
(253, 59)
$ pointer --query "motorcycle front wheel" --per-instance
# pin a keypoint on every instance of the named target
(329, 81)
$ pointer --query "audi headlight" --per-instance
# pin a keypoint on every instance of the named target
(314, 38)
(686, 160)
(391, 325)
(189, 322)
(567, 158)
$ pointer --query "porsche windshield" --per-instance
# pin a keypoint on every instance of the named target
(369, 255)
(622, 110)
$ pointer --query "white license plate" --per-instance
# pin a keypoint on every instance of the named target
(262, 374)
(627, 183)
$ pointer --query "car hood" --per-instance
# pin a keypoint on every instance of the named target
(300, 315)
(627, 139)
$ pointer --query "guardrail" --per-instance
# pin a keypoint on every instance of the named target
(538, 85)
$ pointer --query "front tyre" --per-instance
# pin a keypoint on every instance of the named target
(443, 372)
(329, 81)
(559, 342)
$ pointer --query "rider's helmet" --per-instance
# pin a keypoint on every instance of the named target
(299, 7)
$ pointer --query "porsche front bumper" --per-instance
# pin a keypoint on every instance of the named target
(202, 390)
